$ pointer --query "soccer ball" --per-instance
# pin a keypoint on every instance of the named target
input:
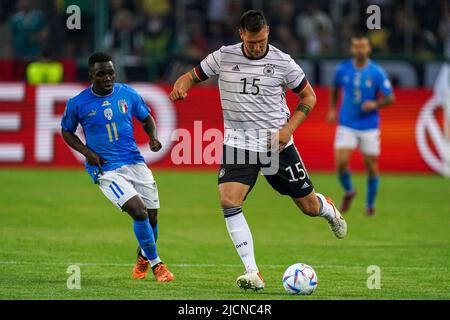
(300, 279)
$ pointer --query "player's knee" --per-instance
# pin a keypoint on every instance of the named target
(342, 166)
(140, 214)
(227, 201)
(372, 170)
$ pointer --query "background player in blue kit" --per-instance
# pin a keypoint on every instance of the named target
(362, 80)
(105, 111)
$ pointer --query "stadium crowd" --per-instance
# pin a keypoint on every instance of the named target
(154, 39)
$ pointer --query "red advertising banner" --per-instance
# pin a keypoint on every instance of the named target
(191, 130)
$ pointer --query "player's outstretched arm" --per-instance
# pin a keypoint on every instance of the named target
(149, 126)
(75, 143)
(183, 84)
(307, 103)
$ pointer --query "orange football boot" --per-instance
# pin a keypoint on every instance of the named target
(140, 270)
(162, 274)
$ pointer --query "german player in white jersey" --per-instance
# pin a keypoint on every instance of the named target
(253, 77)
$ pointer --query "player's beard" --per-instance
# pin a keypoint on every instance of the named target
(361, 59)
(258, 55)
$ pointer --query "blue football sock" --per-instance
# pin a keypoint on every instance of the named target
(155, 232)
(346, 181)
(146, 239)
(372, 188)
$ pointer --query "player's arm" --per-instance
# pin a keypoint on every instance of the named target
(334, 96)
(307, 103)
(385, 101)
(149, 126)
(184, 83)
(387, 94)
(75, 143)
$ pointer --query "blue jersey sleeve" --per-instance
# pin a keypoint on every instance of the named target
(140, 110)
(70, 119)
(384, 84)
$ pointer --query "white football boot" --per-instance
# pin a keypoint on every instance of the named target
(250, 280)
(337, 223)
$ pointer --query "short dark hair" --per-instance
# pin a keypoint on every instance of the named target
(99, 57)
(253, 21)
(359, 35)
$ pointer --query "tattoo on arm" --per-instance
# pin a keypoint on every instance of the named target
(195, 79)
(303, 108)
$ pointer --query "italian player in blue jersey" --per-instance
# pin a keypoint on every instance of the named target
(366, 89)
(105, 111)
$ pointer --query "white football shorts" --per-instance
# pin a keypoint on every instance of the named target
(123, 183)
(367, 140)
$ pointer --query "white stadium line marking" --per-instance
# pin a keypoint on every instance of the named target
(187, 265)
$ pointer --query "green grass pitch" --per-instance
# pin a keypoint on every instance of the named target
(53, 219)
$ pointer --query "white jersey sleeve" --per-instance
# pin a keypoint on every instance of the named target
(211, 64)
(295, 77)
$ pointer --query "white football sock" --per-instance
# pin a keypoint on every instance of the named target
(152, 262)
(242, 237)
(327, 210)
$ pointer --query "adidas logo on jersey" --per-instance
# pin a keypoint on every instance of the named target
(236, 68)
(305, 185)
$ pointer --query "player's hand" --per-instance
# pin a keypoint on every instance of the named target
(155, 145)
(369, 105)
(95, 160)
(281, 139)
(332, 116)
(177, 94)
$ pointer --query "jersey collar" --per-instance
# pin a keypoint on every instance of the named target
(251, 58)
(361, 68)
(97, 95)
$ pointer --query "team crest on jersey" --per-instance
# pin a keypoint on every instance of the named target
(108, 113)
(269, 70)
(368, 83)
(123, 107)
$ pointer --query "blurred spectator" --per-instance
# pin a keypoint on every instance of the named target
(124, 38)
(44, 70)
(217, 36)
(159, 43)
(197, 44)
(125, 42)
(29, 30)
(316, 28)
(77, 42)
(404, 31)
(444, 29)
(151, 38)
(282, 13)
(157, 7)
(6, 8)
(284, 39)
(217, 11)
(379, 40)
(345, 35)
